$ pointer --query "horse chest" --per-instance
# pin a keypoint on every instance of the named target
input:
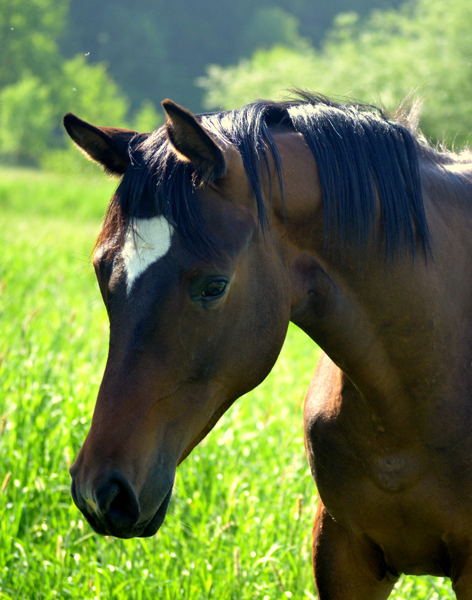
(402, 497)
(383, 499)
(342, 463)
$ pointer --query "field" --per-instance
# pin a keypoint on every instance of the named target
(239, 525)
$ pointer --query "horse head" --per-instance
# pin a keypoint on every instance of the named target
(198, 304)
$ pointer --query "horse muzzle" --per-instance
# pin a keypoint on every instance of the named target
(112, 506)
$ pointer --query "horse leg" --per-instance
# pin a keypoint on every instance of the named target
(345, 567)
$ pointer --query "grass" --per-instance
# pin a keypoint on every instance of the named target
(239, 525)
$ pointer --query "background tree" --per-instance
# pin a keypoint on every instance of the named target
(113, 61)
(420, 48)
(156, 49)
(28, 30)
(38, 85)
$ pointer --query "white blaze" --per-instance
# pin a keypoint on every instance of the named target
(146, 242)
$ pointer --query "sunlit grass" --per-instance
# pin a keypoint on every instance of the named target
(239, 526)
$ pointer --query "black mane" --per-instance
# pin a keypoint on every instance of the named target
(362, 158)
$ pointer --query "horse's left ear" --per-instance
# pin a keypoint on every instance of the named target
(192, 141)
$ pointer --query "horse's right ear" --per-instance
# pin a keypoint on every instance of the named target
(107, 146)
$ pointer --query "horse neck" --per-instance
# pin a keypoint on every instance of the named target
(385, 324)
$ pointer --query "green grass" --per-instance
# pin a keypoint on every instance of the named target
(239, 525)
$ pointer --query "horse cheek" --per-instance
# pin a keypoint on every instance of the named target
(264, 327)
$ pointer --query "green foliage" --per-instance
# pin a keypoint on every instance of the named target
(88, 90)
(269, 26)
(156, 49)
(26, 119)
(28, 30)
(239, 525)
(421, 48)
(29, 63)
(268, 74)
(147, 118)
(37, 86)
(31, 111)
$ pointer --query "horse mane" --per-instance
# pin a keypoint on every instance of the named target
(363, 159)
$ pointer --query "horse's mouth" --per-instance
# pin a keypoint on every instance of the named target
(103, 525)
(158, 519)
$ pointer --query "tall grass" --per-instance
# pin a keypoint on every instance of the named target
(239, 525)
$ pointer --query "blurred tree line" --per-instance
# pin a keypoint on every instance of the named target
(112, 61)
(38, 85)
(422, 49)
(156, 49)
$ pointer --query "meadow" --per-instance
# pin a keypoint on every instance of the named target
(239, 524)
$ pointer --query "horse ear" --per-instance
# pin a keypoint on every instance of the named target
(191, 140)
(107, 146)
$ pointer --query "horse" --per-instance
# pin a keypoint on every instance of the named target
(226, 226)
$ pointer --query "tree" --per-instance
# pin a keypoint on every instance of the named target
(37, 85)
(420, 48)
(156, 49)
(28, 30)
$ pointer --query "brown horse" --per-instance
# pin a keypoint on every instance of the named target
(227, 226)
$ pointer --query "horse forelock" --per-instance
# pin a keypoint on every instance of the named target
(156, 184)
(362, 158)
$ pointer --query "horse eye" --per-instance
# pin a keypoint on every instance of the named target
(213, 289)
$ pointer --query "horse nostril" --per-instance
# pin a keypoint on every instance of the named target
(117, 505)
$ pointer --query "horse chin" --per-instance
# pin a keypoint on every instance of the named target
(155, 523)
(95, 524)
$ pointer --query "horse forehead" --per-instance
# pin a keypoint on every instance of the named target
(147, 241)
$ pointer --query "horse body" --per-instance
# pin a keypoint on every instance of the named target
(387, 415)
(387, 423)
(396, 481)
